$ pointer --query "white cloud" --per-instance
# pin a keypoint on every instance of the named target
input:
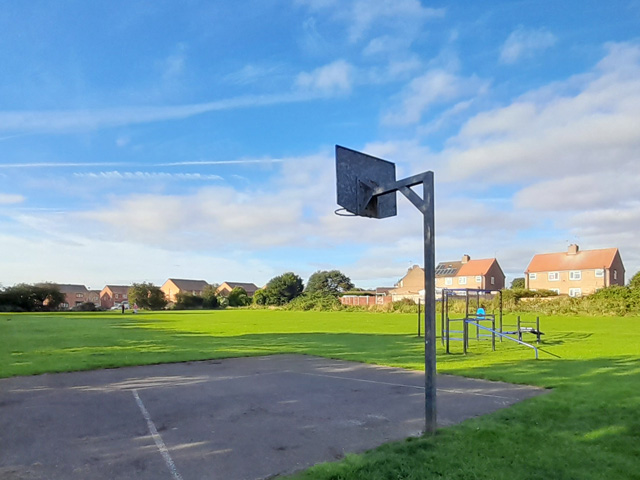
(582, 191)
(525, 43)
(251, 73)
(592, 129)
(66, 121)
(141, 176)
(335, 77)
(82, 260)
(173, 65)
(400, 14)
(11, 198)
(435, 87)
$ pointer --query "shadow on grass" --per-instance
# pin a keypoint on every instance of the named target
(587, 428)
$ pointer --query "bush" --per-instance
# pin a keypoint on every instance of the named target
(238, 297)
(315, 301)
(86, 307)
(188, 301)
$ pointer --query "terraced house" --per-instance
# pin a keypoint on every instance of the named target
(575, 272)
(482, 274)
(173, 286)
(78, 294)
(114, 294)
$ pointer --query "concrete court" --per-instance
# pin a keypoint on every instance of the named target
(240, 418)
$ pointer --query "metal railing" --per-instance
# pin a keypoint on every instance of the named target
(502, 335)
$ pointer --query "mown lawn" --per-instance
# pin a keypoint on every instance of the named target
(587, 428)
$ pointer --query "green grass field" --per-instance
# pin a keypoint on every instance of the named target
(587, 428)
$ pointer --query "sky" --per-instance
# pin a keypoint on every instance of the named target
(146, 140)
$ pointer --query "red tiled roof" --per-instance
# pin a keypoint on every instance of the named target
(475, 267)
(584, 259)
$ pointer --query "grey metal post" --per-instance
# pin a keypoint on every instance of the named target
(429, 306)
(493, 333)
(418, 318)
(500, 313)
(442, 317)
(448, 324)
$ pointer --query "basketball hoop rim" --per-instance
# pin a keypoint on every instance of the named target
(339, 212)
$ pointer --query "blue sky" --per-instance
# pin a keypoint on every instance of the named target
(146, 140)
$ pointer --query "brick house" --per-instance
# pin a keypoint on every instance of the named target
(574, 272)
(73, 294)
(173, 286)
(225, 288)
(410, 286)
(483, 274)
(113, 294)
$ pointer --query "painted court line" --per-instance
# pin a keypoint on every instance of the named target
(157, 438)
(417, 387)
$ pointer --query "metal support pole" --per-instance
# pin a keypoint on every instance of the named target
(418, 318)
(448, 325)
(500, 291)
(519, 331)
(538, 328)
(429, 306)
(493, 333)
(442, 317)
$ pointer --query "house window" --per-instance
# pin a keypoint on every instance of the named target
(478, 279)
(493, 280)
(575, 292)
(462, 280)
(448, 281)
(533, 276)
(554, 276)
(599, 272)
(556, 290)
(615, 274)
(79, 295)
(575, 275)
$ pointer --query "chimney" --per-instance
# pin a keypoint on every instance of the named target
(573, 249)
(465, 258)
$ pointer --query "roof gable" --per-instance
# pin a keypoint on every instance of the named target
(467, 269)
(476, 267)
(583, 260)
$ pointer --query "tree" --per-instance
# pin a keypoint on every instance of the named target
(146, 295)
(517, 282)
(238, 297)
(332, 282)
(634, 283)
(260, 297)
(30, 298)
(209, 297)
(188, 301)
(283, 288)
(49, 295)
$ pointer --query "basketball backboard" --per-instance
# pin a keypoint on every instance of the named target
(357, 174)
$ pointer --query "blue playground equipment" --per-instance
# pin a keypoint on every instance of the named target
(484, 323)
